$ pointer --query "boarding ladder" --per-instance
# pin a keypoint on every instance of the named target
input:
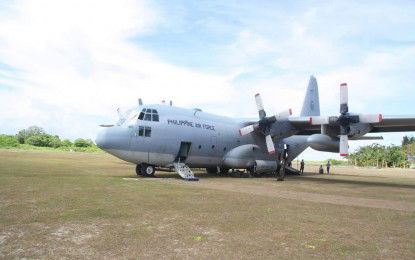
(184, 171)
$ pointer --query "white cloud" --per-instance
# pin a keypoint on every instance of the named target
(75, 61)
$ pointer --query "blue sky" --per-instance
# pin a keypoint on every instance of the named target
(67, 65)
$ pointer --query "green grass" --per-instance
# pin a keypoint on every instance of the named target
(77, 205)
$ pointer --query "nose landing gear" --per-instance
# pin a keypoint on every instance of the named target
(145, 170)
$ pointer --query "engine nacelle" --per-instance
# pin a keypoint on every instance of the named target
(324, 143)
(265, 166)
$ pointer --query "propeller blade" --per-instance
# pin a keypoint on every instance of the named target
(260, 106)
(270, 144)
(344, 98)
(246, 130)
(284, 114)
(319, 120)
(344, 145)
(370, 119)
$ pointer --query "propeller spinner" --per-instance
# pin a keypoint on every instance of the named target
(345, 120)
(264, 124)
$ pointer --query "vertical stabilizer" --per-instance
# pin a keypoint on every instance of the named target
(311, 105)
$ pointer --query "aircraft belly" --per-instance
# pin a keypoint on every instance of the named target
(160, 159)
(203, 161)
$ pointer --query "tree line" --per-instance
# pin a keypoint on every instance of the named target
(37, 137)
(381, 156)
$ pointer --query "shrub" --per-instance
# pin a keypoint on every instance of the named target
(54, 141)
(66, 143)
(80, 142)
(8, 141)
(38, 140)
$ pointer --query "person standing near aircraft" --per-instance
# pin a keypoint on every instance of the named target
(328, 166)
(302, 167)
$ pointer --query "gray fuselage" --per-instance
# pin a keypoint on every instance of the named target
(210, 140)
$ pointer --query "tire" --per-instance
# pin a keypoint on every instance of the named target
(147, 170)
(138, 170)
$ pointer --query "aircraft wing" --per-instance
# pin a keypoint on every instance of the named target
(388, 124)
(304, 126)
(395, 124)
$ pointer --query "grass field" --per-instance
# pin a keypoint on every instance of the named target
(79, 205)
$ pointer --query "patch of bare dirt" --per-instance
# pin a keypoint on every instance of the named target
(273, 189)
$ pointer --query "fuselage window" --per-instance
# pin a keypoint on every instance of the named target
(141, 131)
(147, 132)
(144, 131)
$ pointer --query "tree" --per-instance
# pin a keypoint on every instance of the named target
(24, 134)
(44, 140)
(54, 141)
(408, 140)
(80, 142)
(66, 143)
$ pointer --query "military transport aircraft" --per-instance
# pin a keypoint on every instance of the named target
(164, 136)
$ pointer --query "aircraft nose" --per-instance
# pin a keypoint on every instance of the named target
(101, 139)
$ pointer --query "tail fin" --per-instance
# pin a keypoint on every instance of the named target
(311, 105)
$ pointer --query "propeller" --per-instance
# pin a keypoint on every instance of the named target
(345, 120)
(264, 124)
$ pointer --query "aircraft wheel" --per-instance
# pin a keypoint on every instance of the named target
(147, 170)
(138, 169)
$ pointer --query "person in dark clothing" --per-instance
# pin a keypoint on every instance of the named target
(320, 170)
(302, 167)
(328, 167)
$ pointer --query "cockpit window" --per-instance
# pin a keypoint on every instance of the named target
(149, 115)
(141, 116)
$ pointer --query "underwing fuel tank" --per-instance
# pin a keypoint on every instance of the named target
(324, 143)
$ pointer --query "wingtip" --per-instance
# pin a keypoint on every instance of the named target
(343, 85)
(344, 155)
(271, 152)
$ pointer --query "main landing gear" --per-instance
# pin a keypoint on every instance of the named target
(145, 170)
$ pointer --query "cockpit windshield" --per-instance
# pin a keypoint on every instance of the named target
(131, 116)
(148, 114)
